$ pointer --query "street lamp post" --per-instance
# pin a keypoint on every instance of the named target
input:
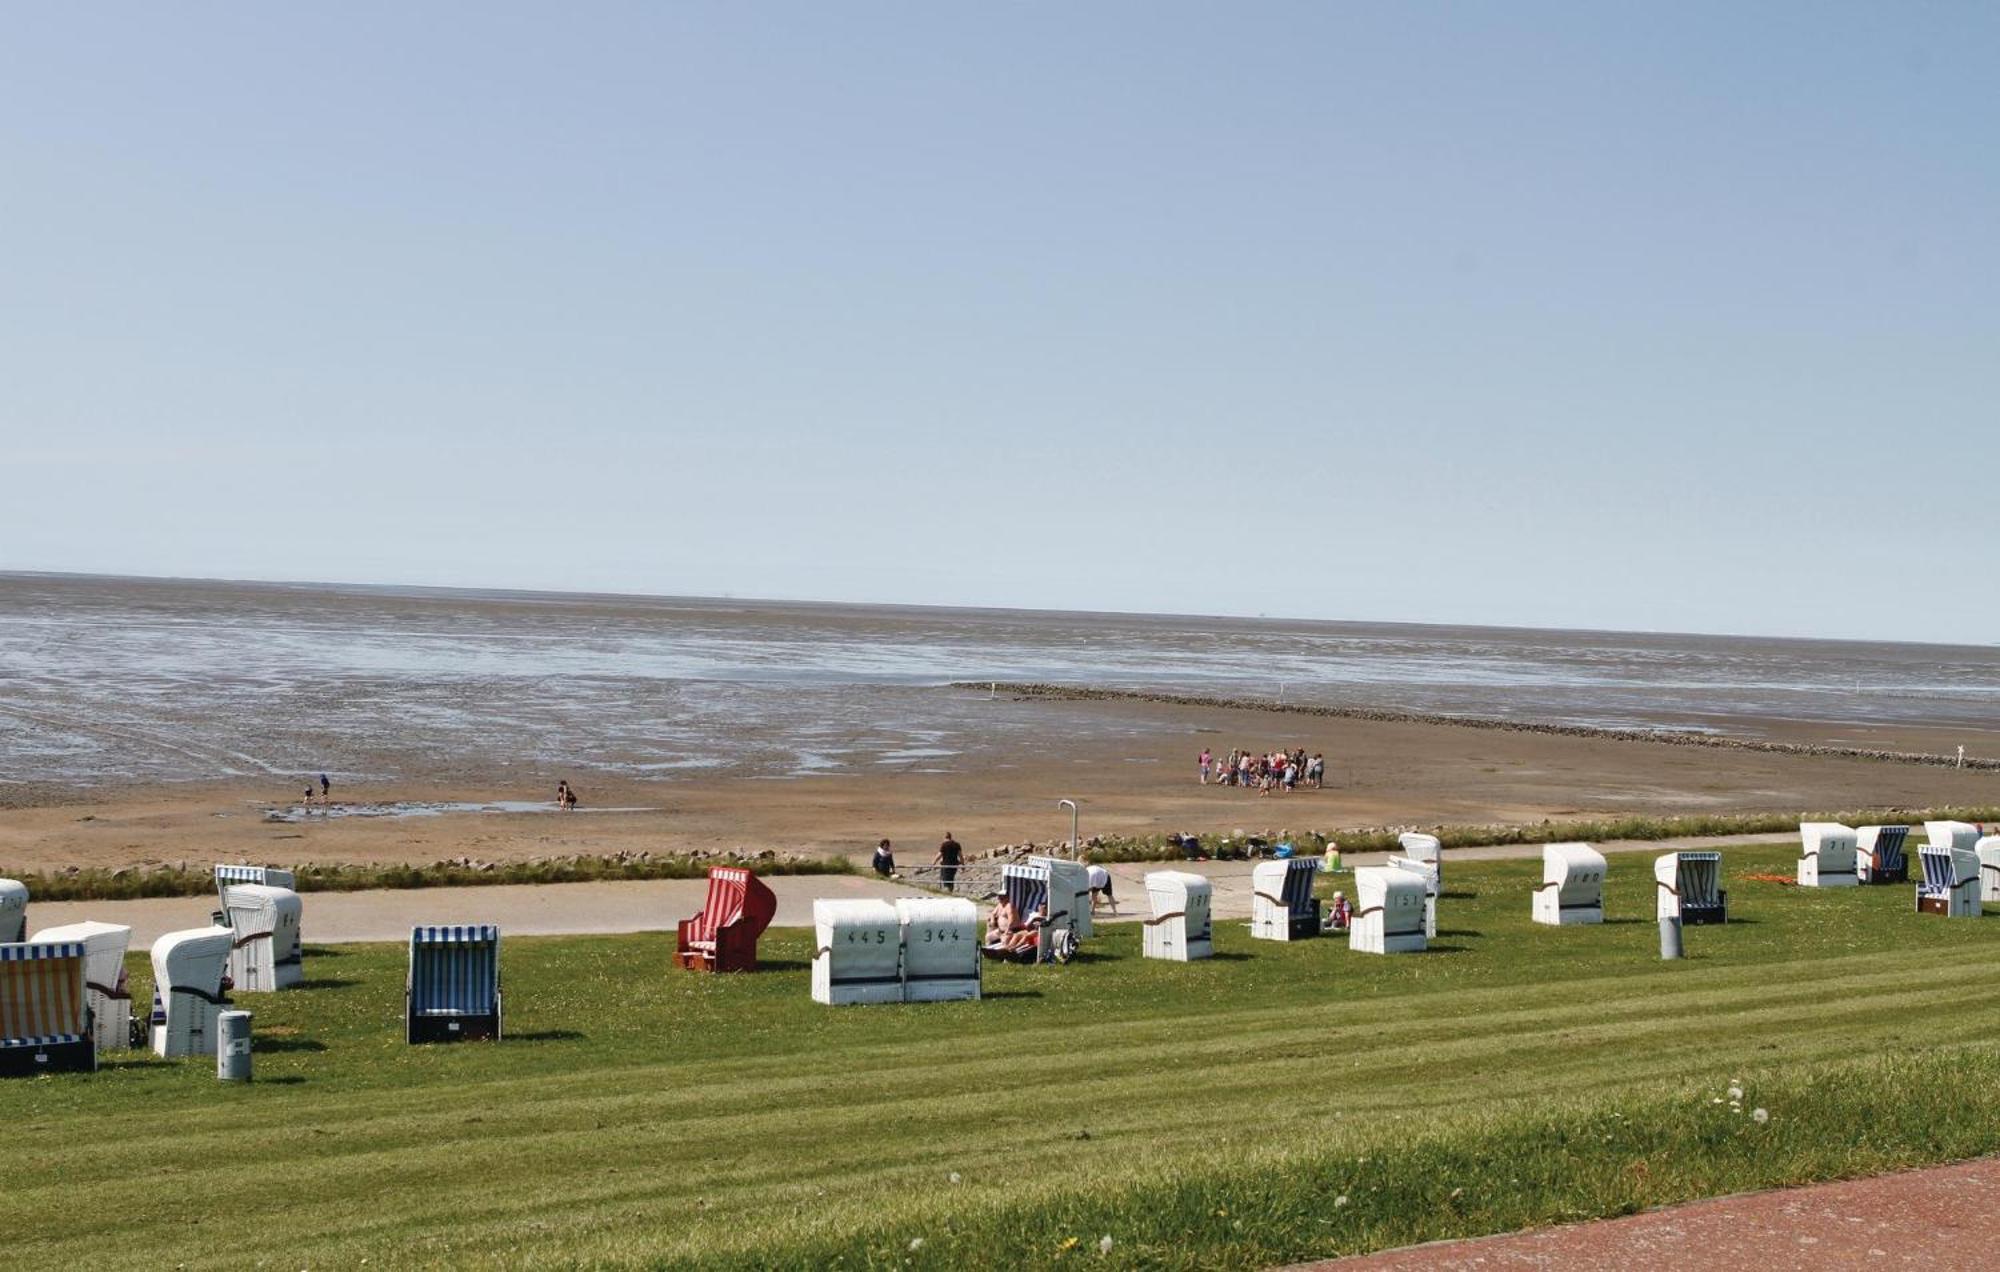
(1070, 804)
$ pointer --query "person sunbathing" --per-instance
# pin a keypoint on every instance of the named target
(1000, 925)
(1026, 935)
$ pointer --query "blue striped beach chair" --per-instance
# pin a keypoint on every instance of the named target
(1950, 886)
(453, 990)
(44, 1008)
(1878, 855)
(1027, 887)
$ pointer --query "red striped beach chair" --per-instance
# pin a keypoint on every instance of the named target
(44, 1010)
(723, 936)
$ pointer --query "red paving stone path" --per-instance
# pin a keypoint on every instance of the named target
(1947, 1217)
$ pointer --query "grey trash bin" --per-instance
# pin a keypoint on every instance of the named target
(232, 1046)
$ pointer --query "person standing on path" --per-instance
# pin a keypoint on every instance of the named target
(950, 855)
(885, 860)
(1100, 887)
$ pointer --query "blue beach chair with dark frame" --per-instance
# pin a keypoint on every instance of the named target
(1878, 855)
(1950, 886)
(453, 990)
(44, 1008)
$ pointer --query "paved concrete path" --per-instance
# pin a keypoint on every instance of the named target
(1947, 1217)
(546, 909)
(556, 909)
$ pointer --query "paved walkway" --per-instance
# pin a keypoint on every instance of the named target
(546, 909)
(559, 909)
(1947, 1217)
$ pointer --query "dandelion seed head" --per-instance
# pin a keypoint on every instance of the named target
(1760, 1116)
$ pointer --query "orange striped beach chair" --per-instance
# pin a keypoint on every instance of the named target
(44, 1011)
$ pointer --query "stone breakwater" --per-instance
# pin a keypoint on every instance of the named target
(1668, 737)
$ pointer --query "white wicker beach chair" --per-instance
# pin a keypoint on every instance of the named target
(1688, 886)
(1282, 905)
(104, 946)
(267, 953)
(1988, 852)
(1572, 887)
(1179, 929)
(13, 910)
(1070, 881)
(1389, 912)
(1428, 873)
(44, 1008)
(188, 991)
(1950, 886)
(857, 952)
(1827, 854)
(940, 949)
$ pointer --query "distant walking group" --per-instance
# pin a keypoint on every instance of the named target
(324, 790)
(1278, 771)
(565, 796)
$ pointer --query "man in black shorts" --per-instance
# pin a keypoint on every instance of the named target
(950, 855)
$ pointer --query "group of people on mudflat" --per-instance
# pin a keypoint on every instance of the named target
(1278, 771)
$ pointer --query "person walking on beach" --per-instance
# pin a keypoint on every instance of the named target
(309, 797)
(324, 787)
(1206, 759)
(950, 855)
(885, 860)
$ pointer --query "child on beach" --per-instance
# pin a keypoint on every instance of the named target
(1205, 760)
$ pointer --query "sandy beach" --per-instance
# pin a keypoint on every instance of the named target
(1132, 773)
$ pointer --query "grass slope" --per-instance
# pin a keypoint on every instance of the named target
(1207, 1114)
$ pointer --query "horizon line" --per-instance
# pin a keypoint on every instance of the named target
(474, 590)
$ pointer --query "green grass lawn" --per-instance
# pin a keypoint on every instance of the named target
(1276, 1102)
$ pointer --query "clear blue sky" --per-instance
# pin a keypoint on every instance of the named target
(1673, 317)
